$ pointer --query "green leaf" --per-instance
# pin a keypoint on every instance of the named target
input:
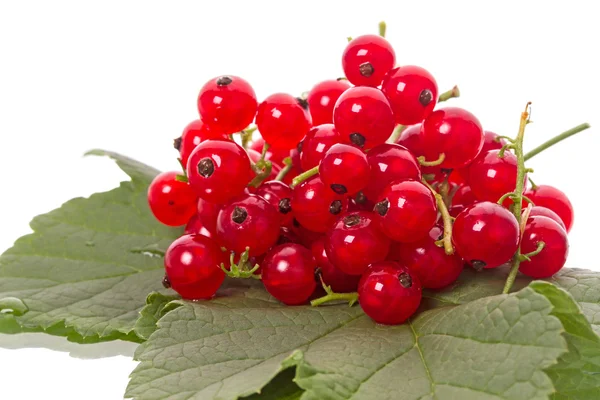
(157, 305)
(492, 348)
(87, 268)
(576, 376)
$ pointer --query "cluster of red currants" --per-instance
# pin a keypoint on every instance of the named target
(331, 194)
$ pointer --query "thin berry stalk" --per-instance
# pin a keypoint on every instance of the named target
(305, 175)
(287, 162)
(351, 298)
(556, 139)
(446, 218)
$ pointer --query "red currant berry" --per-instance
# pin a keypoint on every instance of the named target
(288, 273)
(305, 237)
(406, 211)
(412, 93)
(219, 170)
(486, 235)
(464, 196)
(322, 98)
(345, 169)
(273, 155)
(367, 59)
(389, 162)
(282, 120)
(490, 142)
(192, 263)
(552, 198)
(248, 221)
(318, 140)
(193, 134)
(279, 195)
(546, 212)
(195, 227)
(389, 293)
(207, 214)
(363, 117)
(491, 176)
(339, 281)
(227, 104)
(316, 207)
(172, 202)
(554, 254)
(434, 268)
(456, 133)
(355, 241)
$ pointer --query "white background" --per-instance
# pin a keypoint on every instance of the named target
(124, 76)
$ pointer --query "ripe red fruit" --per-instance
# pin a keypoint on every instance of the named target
(219, 170)
(282, 120)
(248, 221)
(389, 293)
(491, 176)
(429, 262)
(339, 281)
(367, 59)
(490, 142)
(192, 264)
(172, 202)
(546, 212)
(455, 132)
(556, 247)
(412, 92)
(207, 214)
(322, 98)
(464, 196)
(486, 235)
(196, 227)
(193, 134)
(552, 198)
(318, 140)
(355, 241)
(288, 273)
(389, 162)
(363, 117)
(227, 104)
(316, 207)
(406, 211)
(279, 195)
(345, 169)
(273, 155)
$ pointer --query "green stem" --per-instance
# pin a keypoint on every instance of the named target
(518, 194)
(539, 248)
(263, 170)
(450, 94)
(533, 185)
(425, 163)
(556, 139)
(446, 218)
(287, 162)
(242, 269)
(351, 298)
(305, 175)
(382, 28)
(397, 133)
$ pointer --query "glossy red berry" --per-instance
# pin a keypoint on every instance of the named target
(345, 169)
(248, 221)
(406, 211)
(491, 176)
(227, 104)
(219, 170)
(316, 207)
(363, 117)
(339, 281)
(193, 134)
(282, 120)
(305, 237)
(355, 241)
(486, 235)
(456, 133)
(288, 273)
(279, 195)
(552, 198)
(463, 197)
(389, 162)
(389, 293)
(318, 140)
(172, 202)
(322, 98)
(556, 247)
(207, 214)
(196, 227)
(434, 268)
(192, 264)
(412, 92)
(367, 59)
(273, 155)
(546, 212)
